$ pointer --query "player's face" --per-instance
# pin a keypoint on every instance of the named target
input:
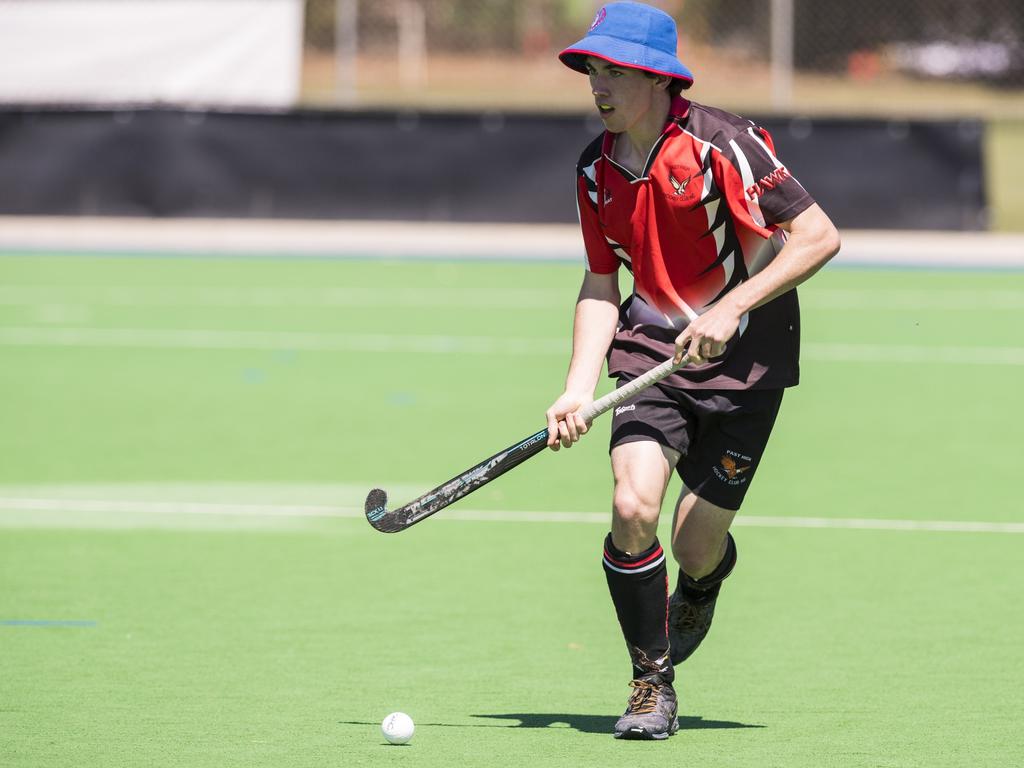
(625, 97)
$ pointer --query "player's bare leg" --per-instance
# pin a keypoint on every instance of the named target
(706, 554)
(642, 470)
(634, 564)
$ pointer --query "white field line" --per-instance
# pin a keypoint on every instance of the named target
(144, 338)
(204, 339)
(252, 297)
(903, 300)
(915, 354)
(123, 506)
(248, 297)
(104, 506)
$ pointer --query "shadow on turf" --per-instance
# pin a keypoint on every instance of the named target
(605, 723)
(583, 723)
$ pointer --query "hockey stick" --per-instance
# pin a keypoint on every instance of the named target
(398, 520)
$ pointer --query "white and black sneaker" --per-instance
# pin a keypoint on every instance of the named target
(651, 712)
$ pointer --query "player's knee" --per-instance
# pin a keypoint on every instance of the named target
(635, 510)
(633, 506)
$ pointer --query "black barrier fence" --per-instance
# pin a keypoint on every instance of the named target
(867, 173)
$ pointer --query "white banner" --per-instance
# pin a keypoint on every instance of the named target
(183, 52)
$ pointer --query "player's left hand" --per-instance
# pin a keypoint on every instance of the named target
(707, 336)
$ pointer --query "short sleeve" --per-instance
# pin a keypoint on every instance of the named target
(758, 183)
(600, 258)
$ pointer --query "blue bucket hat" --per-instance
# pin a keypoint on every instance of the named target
(632, 35)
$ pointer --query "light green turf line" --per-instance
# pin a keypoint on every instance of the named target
(209, 339)
(95, 513)
(253, 297)
(148, 296)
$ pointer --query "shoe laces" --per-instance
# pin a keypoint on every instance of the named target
(644, 698)
(691, 616)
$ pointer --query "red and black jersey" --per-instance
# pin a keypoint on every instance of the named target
(699, 220)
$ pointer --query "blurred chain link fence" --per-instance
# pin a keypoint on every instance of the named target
(818, 56)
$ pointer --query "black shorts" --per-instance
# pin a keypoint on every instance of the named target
(721, 434)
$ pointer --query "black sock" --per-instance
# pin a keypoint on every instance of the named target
(639, 588)
(707, 586)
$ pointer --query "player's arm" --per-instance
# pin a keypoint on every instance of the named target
(812, 241)
(597, 315)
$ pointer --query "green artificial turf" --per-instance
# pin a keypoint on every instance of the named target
(191, 502)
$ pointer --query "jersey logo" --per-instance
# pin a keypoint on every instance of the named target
(684, 191)
(770, 181)
(679, 186)
(607, 197)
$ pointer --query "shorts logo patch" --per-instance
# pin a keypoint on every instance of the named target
(732, 467)
(625, 409)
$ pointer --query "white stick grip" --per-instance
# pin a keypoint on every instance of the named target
(626, 391)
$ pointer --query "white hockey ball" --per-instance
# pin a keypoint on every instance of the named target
(397, 728)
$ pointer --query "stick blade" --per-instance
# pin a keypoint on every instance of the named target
(377, 513)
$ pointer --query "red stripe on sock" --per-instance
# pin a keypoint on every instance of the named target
(653, 556)
(666, 603)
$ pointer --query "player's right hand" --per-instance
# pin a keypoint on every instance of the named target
(565, 425)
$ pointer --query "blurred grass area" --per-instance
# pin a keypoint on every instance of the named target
(429, 366)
